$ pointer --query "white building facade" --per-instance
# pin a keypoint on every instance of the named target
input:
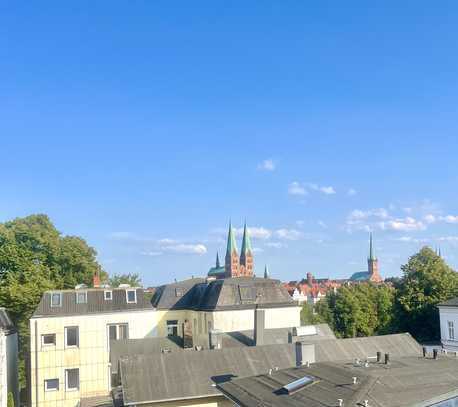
(448, 315)
(9, 385)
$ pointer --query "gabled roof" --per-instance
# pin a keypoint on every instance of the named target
(95, 302)
(180, 295)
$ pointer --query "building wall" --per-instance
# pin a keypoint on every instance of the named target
(447, 314)
(91, 357)
(8, 368)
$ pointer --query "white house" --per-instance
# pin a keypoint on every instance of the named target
(448, 313)
(8, 360)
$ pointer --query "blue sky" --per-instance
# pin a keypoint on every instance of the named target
(144, 126)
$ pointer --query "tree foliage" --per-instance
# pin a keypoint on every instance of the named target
(426, 281)
(359, 310)
(35, 257)
(10, 402)
(133, 279)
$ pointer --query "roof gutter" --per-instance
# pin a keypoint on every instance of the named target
(138, 403)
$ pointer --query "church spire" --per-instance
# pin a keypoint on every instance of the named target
(246, 242)
(231, 264)
(266, 272)
(371, 249)
(246, 255)
(217, 265)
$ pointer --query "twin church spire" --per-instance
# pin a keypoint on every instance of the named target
(233, 265)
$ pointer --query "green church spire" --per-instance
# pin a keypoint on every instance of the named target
(246, 242)
(217, 260)
(371, 249)
(231, 245)
(266, 272)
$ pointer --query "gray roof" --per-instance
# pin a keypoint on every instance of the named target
(223, 294)
(274, 336)
(97, 401)
(6, 324)
(190, 374)
(453, 302)
(406, 382)
(96, 302)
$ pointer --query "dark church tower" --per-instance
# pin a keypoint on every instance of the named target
(246, 256)
(372, 264)
(231, 264)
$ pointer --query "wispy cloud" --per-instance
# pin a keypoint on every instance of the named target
(276, 245)
(184, 248)
(295, 188)
(351, 192)
(255, 232)
(289, 234)
(322, 224)
(267, 165)
(299, 188)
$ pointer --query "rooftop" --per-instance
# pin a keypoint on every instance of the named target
(405, 382)
(95, 302)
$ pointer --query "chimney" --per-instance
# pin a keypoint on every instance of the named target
(305, 353)
(387, 358)
(259, 325)
(187, 335)
(215, 339)
(310, 279)
(379, 357)
(425, 351)
(435, 353)
(96, 280)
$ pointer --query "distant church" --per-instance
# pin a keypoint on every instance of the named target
(372, 273)
(233, 265)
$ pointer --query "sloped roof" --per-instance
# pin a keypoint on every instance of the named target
(453, 302)
(406, 382)
(223, 294)
(360, 276)
(95, 303)
(6, 324)
(191, 374)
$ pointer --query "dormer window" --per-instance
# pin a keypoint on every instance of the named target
(56, 299)
(131, 296)
(178, 292)
(81, 297)
(108, 295)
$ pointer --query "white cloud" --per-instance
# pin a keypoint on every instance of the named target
(276, 245)
(255, 232)
(430, 218)
(184, 248)
(449, 219)
(296, 189)
(267, 165)
(289, 234)
(351, 192)
(327, 190)
(257, 250)
(151, 253)
(403, 224)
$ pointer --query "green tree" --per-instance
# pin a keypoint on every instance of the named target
(10, 402)
(309, 316)
(427, 280)
(35, 257)
(133, 279)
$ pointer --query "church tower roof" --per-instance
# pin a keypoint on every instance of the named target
(371, 249)
(231, 245)
(217, 260)
(246, 242)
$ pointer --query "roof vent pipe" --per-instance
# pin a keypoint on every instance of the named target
(387, 358)
(424, 351)
(340, 402)
(355, 380)
(435, 354)
(379, 357)
(366, 403)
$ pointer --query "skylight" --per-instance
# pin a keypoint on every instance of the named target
(298, 384)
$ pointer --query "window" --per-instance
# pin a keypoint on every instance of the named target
(48, 339)
(71, 337)
(56, 299)
(118, 331)
(131, 296)
(108, 295)
(451, 330)
(72, 379)
(81, 297)
(51, 384)
(178, 292)
(172, 327)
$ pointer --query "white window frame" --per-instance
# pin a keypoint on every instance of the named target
(60, 299)
(51, 389)
(85, 297)
(77, 337)
(66, 380)
(47, 345)
(105, 295)
(117, 325)
(451, 330)
(127, 296)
